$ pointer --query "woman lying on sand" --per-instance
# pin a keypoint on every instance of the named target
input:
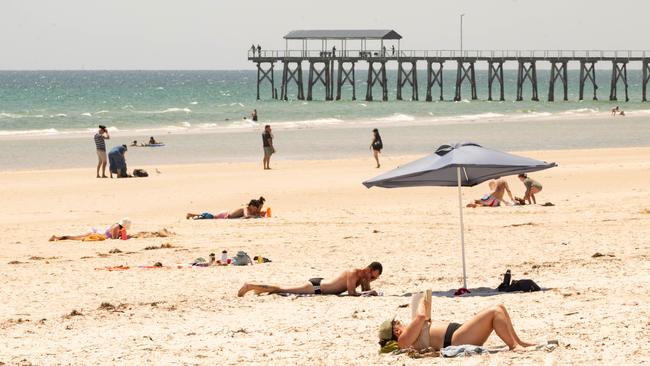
(112, 232)
(252, 210)
(423, 333)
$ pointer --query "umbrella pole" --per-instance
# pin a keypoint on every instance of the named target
(462, 228)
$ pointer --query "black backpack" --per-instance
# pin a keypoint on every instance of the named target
(525, 285)
(140, 173)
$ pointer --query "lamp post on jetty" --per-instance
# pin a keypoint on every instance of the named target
(461, 34)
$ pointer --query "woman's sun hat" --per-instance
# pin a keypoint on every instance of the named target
(125, 223)
(386, 329)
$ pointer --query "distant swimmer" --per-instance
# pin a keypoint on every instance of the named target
(346, 281)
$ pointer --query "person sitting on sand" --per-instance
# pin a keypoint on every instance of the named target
(252, 210)
(346, 281)
(532, 187)
(423, 333)
(498, 187)
(152, 141)
(112, 232)
(134, 143)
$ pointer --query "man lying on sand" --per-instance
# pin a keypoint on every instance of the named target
(346, 281)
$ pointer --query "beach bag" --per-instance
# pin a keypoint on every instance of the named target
(241, 259)
(523, 285)
(377, 145)
(140, 173)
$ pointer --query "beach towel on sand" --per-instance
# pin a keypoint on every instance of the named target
(94, 237)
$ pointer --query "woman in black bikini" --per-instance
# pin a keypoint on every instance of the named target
(423, 333)
(376, 145)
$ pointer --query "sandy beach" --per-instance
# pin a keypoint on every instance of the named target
(323, 221)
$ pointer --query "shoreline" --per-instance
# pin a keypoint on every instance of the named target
(326, 123)
(333, 142)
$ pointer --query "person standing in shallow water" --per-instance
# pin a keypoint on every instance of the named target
(376, 145)
(254, 115)
(267, 145)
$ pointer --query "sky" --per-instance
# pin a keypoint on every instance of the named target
(215, 34)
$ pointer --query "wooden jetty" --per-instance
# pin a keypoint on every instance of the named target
(334, 68)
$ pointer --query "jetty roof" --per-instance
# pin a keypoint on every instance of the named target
(343, 34)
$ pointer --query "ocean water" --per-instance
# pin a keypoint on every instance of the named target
(47, 118)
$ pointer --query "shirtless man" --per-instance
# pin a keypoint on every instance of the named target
(346, 281)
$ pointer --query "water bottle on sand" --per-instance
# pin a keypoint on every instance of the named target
(268, 212)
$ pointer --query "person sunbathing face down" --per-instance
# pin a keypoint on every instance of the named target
(347, 280)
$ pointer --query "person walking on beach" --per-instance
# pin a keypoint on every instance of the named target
(267, 145)
(254, 115)
(376, 145)
(346, 281)
(532, 187)
(100, 144)
(615, 110)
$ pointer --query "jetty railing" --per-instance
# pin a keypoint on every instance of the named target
(334, 68)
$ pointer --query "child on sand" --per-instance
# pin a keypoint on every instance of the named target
(112, 232)
(532, 187)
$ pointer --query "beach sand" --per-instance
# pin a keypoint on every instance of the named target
(323, 221)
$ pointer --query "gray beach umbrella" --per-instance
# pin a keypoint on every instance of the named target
(463, 164)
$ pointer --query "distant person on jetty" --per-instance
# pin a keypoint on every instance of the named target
(259, 51)
(267, 145)
(376, 145)
(346, 281)
(498, 188)
(252, 210)
(532, 187)
(112, 232)
(100, 144)
(253, 49)
(254, 115)
(422, 332)
(117, 161)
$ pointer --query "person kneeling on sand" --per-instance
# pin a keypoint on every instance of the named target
(252, 210)
(112, 232)
(423, 333)
(532, 187)
(346, 281)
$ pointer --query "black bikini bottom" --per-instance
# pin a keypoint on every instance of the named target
(316, 283)
(451, 329)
